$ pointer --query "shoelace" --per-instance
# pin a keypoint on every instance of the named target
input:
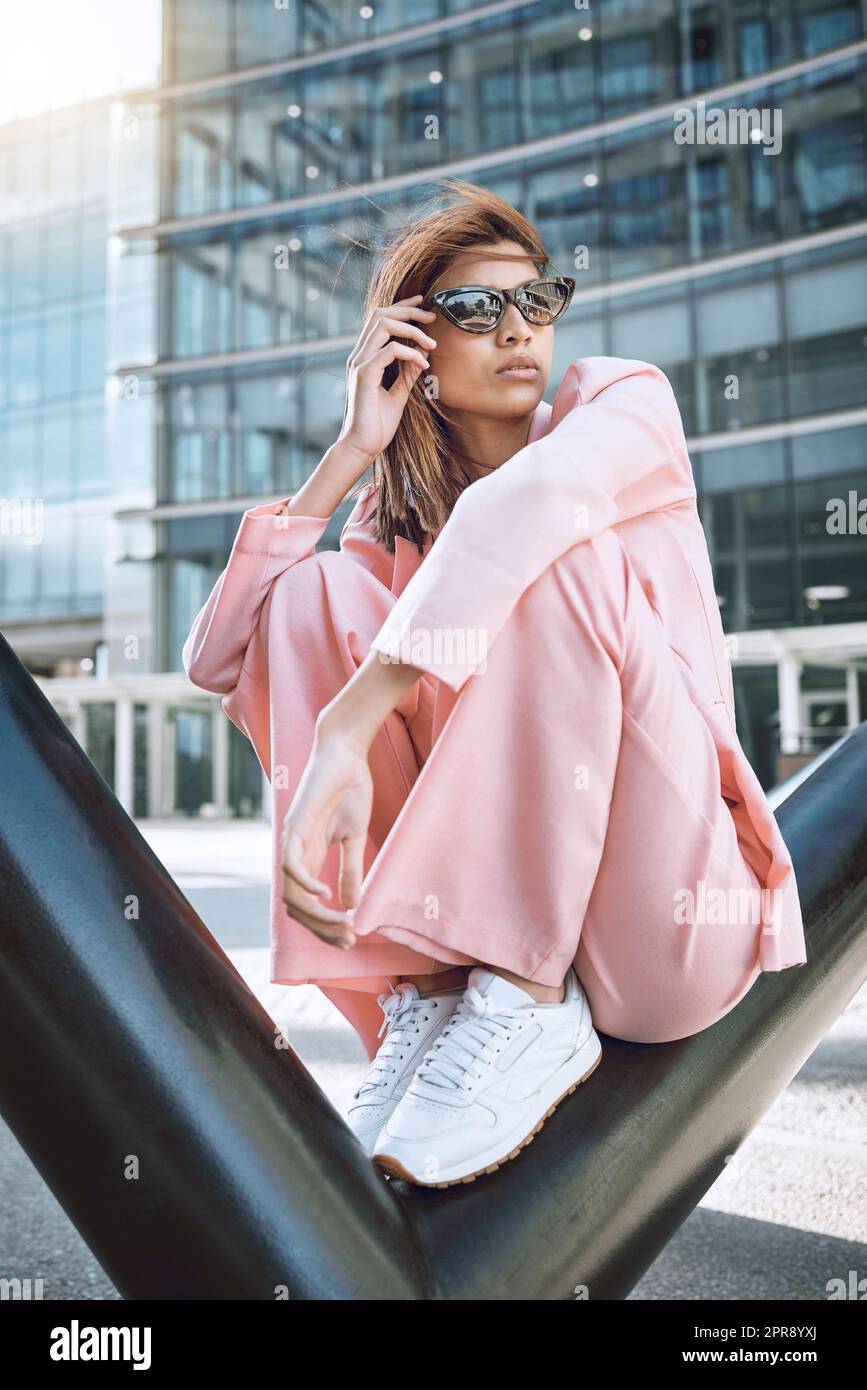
(399, 1012)
(467, 1037)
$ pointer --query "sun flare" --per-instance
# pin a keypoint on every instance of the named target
(58, 52)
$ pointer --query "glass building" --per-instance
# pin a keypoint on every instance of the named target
(283, 137)
(53, 469)
(56, 509)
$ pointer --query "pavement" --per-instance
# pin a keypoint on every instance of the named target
(788, 1213)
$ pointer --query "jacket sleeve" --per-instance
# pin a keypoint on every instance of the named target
(615, 449)
(358, 538)
(264, 545)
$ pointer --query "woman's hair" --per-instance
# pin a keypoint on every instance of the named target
(420, 474)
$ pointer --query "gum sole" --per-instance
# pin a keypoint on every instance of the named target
(395, 1169)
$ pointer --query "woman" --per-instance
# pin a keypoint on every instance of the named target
(499, 721)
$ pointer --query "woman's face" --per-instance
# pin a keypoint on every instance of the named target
(468, 367)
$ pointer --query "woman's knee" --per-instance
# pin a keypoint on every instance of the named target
(660, 1013)
(323, 566)
(665, 1021)
(331, 582)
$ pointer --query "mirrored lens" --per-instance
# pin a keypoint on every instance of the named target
(473, 308)
(544, 300)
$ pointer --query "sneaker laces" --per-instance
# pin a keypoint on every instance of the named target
(400, 1009)
(467, 1037)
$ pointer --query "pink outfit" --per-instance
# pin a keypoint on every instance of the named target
(564, 783)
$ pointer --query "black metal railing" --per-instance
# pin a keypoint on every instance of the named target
(810, 741)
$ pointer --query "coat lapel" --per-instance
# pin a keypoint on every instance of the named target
(406, 562)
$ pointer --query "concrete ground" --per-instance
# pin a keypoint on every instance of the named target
(788, 1213)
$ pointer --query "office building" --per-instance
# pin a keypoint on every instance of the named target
(284, 140)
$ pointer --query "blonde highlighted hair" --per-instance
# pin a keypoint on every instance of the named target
(420, 474)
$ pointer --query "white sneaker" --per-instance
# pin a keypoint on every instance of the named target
(411, 1022)
(488, 1082)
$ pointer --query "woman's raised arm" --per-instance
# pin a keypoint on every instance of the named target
(266, 543)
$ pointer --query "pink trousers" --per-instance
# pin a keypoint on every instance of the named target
(562, 808)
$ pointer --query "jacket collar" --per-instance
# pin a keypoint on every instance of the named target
(406, 562)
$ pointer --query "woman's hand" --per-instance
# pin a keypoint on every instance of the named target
(373, 412)
(333, 801)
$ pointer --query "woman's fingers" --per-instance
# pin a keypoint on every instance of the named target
(332, 802)
(334, 934)
(293, 863)
(391, 327)
(403, 310)
(387, 354)
(298, 884)
(351, 869)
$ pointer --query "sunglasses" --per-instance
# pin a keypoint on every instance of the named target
(479, 308)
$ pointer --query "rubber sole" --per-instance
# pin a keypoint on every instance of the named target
(395, 1169)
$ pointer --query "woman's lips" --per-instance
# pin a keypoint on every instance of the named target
(520, 373)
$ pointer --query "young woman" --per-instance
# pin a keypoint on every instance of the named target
(499, 720)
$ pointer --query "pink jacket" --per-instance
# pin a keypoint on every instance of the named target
(610, 451)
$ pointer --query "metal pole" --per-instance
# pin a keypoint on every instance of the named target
(186, 1141)
(199, 1159)
(618, 1167)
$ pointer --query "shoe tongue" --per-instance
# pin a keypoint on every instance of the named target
(493, 986)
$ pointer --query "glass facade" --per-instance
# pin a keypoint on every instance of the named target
(292, 139)
(651, 206)
(651, 50)
(53, 473)
(175, 344)
(640, 201)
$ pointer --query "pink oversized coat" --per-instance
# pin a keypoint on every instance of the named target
(609, 452)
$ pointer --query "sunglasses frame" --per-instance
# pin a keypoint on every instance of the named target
(506, 297)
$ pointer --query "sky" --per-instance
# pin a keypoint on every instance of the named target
(57, 52)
